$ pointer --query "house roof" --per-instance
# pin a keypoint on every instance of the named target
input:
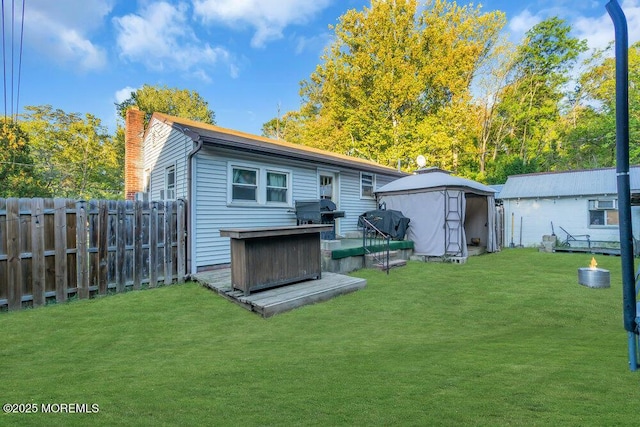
(431, 179)
(232, 139)
(570, 183)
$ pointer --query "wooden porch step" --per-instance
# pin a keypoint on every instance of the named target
(392, 264)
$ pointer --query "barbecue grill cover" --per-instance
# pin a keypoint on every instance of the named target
(390, 222)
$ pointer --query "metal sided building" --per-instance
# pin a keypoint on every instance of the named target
(581, 203)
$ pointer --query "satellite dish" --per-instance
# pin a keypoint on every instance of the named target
(421, 160)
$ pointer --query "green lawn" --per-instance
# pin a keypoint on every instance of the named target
(505, 339)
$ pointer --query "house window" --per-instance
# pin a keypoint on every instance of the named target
(170, 183)
(277, 187)
(367, 182)
(244, 184)
(603, 213)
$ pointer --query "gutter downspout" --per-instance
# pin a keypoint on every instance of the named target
(199, 143)
(622, 173)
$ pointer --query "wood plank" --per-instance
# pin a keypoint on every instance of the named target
(278, 300)
(137, 245)
(270, 307)
(168, 247)
(252, 233)
(301, 290)
(82, 250)
(181, 218)
(103, 247)
(37, 252)
(153, 246)
(3, 252)
(120, 246)
(94, 262)
(14, 267)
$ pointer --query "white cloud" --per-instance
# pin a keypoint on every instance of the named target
(124, 94)
(62, 30)
(599, 31)
(267, 17)
(315, 44)
(521, 23)
(160, 37)
(597, 28)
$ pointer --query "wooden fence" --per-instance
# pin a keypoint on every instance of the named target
(55, 249)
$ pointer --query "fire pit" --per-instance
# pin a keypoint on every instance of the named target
(593, 276)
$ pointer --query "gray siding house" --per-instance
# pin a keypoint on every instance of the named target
(583, 202)
(234, 179)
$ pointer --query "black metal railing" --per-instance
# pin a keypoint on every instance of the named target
(375, 243)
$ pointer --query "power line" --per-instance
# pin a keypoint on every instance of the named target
(20, 61)
(14, 73)
(4, 64)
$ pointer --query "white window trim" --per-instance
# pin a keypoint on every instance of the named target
(287, 173)
(167, 191)
(261, 184)
(373, 186)
(230, 201)
(596, 208)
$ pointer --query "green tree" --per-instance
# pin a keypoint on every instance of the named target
(287, 127)
(396, 82)
(17, 170)
(590, 126)
(75, 155)
(530, 103)
(176, 102)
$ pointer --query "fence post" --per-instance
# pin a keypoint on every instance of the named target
(182, 240)
(37, 252)
(82, 250)
(120, 246)
(137, 244)
(14, 267)
(103, 248)
(60, 237)
(168, 245)
(153, 245)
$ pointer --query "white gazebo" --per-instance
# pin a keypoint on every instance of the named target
(447, 212)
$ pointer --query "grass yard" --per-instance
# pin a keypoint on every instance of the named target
(505, 339)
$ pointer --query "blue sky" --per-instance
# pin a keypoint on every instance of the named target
(245, 57)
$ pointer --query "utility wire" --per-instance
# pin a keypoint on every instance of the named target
(16, 74)
(4, 64)
(20, 61)
(13, 20)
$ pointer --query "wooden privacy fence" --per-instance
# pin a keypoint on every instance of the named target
(54, 249)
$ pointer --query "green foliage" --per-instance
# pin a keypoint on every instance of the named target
(498, 172)
(287, 127)
(74, 155)
(17, 170)
(592, 131)
(505, 339)
(530, 102)
(394, 73)
(398, 79)
(183, 103)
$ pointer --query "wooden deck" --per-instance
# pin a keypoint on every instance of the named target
(596, 251)
(284, 298)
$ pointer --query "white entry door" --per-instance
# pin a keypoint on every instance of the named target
(329, 186)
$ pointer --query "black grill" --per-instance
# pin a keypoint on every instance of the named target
(318, 211)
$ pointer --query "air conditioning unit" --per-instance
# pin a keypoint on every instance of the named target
(606, 204)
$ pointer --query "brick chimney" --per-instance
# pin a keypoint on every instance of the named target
(133, 162)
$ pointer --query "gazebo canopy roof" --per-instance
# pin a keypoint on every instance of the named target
(432, 179)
